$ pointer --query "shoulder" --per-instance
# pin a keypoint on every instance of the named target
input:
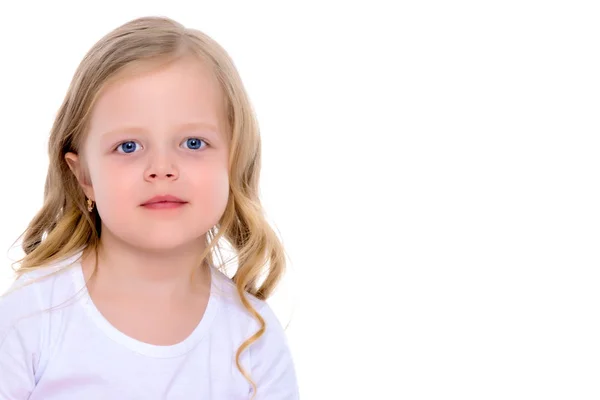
(33, 292)
(270, 359)
(24, 328)
(274, 340)
(225, 291)
(24, 298)
(271, 362)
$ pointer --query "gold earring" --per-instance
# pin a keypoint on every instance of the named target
(90, 205)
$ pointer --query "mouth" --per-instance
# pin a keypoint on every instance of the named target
(168, 201)
(162, 205)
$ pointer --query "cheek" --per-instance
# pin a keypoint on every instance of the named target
(112, 184)
(213, 190)
(119, 188)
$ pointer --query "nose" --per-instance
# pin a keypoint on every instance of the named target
(161, 167)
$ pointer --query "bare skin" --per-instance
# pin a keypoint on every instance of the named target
(162, 132)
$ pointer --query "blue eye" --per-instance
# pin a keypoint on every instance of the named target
(127, 147)
(194, 143)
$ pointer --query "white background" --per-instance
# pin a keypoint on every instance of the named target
(432, 168)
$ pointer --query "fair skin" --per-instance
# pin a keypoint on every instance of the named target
(160, 132)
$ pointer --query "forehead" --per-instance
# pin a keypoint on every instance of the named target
(160, 96)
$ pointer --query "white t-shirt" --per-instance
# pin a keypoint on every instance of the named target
(73, 352)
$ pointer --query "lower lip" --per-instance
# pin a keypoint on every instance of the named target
(163, 205)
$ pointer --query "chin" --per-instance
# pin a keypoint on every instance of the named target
(156, 239)
(158, 242)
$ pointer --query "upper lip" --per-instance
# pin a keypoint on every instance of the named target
(164, 198)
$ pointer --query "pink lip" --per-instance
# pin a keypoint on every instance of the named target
(163, 205)
(167, 201)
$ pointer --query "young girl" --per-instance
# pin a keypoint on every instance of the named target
(154, 158)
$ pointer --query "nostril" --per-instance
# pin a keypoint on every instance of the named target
(166, 175)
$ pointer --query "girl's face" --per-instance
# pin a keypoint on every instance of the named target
(156, 134)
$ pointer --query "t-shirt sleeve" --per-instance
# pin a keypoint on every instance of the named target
(19, 340)
(272, 367)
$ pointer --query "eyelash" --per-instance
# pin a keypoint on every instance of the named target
(185, 140)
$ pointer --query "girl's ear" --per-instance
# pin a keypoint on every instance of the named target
(74, 163)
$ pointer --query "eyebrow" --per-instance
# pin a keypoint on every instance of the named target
(203, 126)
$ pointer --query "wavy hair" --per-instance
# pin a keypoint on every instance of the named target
(63, 225)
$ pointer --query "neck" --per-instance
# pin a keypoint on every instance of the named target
(168, 272)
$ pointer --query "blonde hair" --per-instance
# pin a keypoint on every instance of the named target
(63, 225)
